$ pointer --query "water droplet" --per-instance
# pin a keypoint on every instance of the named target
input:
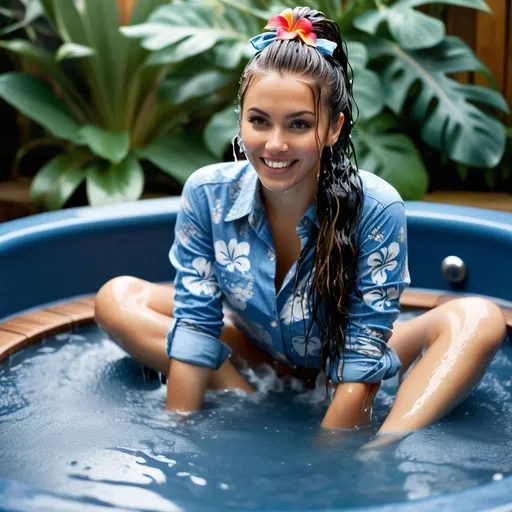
(198, 480)
(497, 476)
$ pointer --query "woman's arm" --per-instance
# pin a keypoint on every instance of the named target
(186, 386)
(351, 405)
(382, 276)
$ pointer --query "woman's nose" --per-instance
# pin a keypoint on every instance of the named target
(276, 142)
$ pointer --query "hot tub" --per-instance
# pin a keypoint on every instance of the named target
(81, 427)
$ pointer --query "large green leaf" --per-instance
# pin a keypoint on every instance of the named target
(179, 31)
(181, 87)
(115, 183)
(73, 51)
(112, 146)
(56, 181)
(34, 98)
(111, 72)
(479, 5)
(46, 62)
(392, 156)
(368, 93)
(221, 130)
(412, 29)
(33, 10)
(445, 108)
(178, 155)
(357, 54)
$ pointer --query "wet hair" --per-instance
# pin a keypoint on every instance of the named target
(339, 196)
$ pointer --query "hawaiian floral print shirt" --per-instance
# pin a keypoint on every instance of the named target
(224, 257)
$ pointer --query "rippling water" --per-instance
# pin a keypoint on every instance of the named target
(80, 429)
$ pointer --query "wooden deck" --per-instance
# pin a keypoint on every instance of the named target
(24, 330)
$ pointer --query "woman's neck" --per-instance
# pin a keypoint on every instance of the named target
(290, 204)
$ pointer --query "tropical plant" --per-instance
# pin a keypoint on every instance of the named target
(170, 97)
(402, 65)
(116, 118)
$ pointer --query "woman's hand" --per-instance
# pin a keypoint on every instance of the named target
(351, 405)
(186, 386)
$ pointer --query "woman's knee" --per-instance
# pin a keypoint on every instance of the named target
(486, 318)
(108, 303)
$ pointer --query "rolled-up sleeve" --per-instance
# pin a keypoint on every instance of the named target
(198, 317)
(382, 277)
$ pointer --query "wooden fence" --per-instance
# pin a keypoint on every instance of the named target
(490, 37)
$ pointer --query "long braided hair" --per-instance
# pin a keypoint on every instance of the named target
(339, 196)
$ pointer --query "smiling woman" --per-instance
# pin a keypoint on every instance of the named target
(297, 258)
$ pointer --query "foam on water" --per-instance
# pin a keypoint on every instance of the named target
(79, 421)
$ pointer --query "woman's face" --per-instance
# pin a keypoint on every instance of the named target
(279, 125)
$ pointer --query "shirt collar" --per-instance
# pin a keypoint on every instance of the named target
(244, 203)
(249, 197)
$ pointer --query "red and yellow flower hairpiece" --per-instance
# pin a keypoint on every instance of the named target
(286, 29)
(283, 27)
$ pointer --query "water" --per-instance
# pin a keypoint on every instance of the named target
(80, 429)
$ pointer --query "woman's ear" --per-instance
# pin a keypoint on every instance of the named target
(335, 130)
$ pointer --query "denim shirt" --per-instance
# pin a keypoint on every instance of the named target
(224, 256)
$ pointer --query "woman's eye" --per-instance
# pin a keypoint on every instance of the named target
(304, 125)
(256, 121)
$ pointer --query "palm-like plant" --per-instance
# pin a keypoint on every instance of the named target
(116, 118)
(163, 88)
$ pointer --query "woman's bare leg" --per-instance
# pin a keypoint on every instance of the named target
(462, 337)
(138, 315)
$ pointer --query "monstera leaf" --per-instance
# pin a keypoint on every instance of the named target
(175, 32)
(412, 29)
(445, 108)
(368, 92)
(390, 155)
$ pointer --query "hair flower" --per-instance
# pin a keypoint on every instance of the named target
(286, 29)
(282, 27)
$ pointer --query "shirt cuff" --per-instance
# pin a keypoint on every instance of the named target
(197, 348)
(354, 367)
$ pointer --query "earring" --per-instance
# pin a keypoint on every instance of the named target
(238, 140)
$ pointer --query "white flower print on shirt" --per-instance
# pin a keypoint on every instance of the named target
(382, 261)
(296, 308)
(373, 332)
(401, 235)
(238, 296)
(217, 212)
(204, 282)
(234, 255)
(367, 347)
(244, 229)
(379, 298)
(186, 232)
(314, 345)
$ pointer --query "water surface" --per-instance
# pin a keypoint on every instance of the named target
(81, 428)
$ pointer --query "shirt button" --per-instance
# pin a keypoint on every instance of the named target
(274, 323)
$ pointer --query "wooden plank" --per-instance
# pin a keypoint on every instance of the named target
(11, 342)
(491, 42)
(77, 312)
(37, 325)
(461, 22)
(501, 201)
(88, 301)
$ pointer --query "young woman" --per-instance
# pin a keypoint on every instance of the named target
(297, 259)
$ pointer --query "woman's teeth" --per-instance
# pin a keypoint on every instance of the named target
(278, 165)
